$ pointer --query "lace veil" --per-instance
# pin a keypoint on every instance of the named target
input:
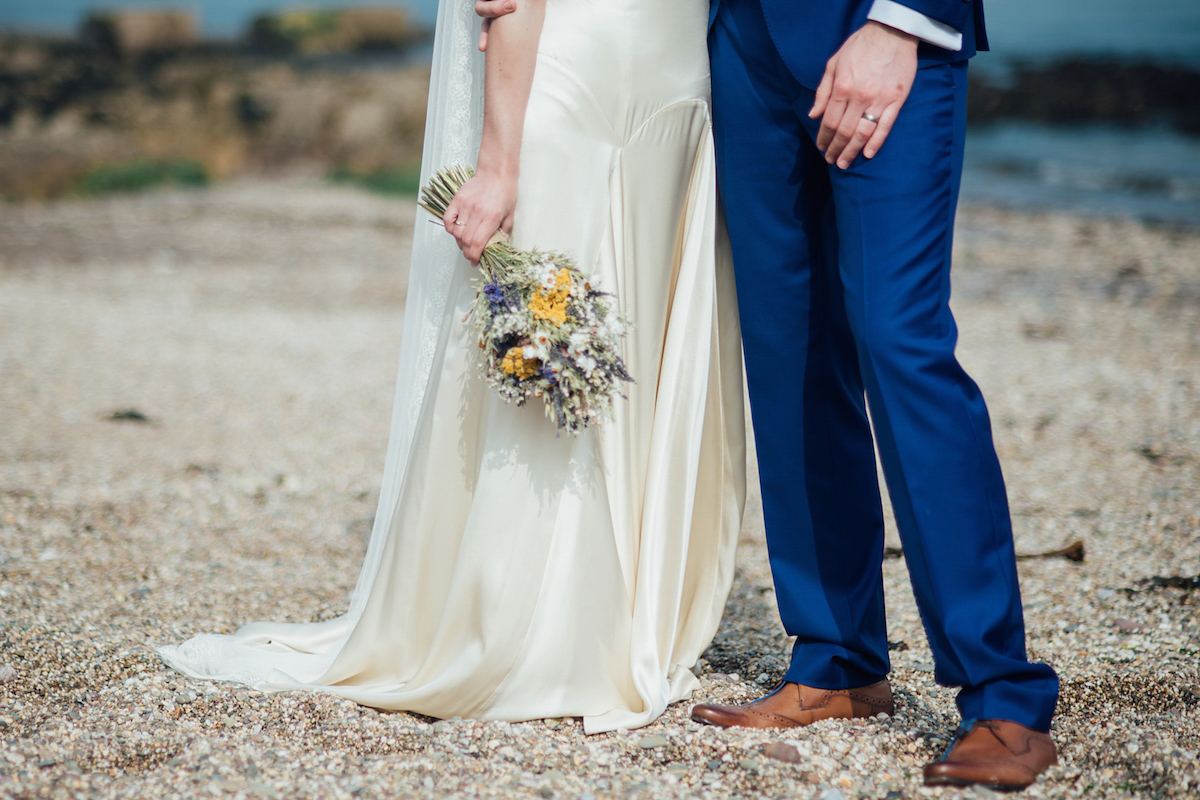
(453, 127)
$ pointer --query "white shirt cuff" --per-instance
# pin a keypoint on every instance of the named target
(914, 23)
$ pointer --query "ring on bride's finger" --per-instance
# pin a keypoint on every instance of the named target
(869, 117)
(460, 223)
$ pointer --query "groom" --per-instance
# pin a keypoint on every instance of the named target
(842, 258)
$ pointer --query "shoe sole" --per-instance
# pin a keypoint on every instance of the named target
(998, 787)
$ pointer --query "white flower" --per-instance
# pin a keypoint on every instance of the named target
(587, 364)
(577, 343)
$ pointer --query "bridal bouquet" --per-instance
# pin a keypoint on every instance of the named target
(545, 328)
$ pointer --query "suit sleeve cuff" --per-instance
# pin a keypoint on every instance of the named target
(914, 23)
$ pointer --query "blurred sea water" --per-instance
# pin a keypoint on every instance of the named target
(1166, 29)
(1144, 172)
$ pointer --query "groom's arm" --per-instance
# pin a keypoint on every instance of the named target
(935, 21)
(868, 79)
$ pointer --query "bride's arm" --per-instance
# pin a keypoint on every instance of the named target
(487, 201)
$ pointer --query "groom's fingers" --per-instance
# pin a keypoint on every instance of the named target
(886, 120)
(853, 142)
(824, 90)
(843, 131)
(831, 121)
(490, 9)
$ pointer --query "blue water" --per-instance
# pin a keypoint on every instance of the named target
(1168, 29)
(1144, 173)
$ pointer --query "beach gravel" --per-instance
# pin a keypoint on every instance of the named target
(195, 391)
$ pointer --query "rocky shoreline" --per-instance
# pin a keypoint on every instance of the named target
(195, 400)
(70, 106)
(66, 109)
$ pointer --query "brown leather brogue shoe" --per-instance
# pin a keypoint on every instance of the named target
(996, 753)
(790, 705)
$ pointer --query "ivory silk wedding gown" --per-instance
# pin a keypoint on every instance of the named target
(515, 573)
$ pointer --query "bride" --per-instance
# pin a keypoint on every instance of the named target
(514, 573)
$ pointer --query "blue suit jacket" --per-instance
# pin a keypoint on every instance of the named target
(808, 32)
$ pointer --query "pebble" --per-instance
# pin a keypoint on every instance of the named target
(1129, 626)
(782, 752)
(651, 742)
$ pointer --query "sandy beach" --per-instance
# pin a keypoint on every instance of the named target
(195, 389)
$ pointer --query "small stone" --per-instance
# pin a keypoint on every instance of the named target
(552, 724)
(922, 666)
(554, 776)
(762, 678)
(46, 762)
(713, 765)
(832, 794)
(1106, 594)
(252, 770)
(185, 697)
(651, 742)
(1129, 626)
(677, 768)
(141, 591)
(983, 791)
(782, 752)
(7, 674)
(748, 764)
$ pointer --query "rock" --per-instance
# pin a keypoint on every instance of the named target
(185, 697)
(651, 742)
(922, 666)
(832, 794)
(133, 32)
(782, 752)
(1129, 626)
(7, 674)
(323, 31)
(748, 764)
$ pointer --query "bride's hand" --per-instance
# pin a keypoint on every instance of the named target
(482, 206)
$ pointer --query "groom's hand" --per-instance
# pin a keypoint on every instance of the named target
(864, 86)
(489, 10)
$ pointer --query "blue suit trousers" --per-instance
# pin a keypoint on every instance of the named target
(843, 280)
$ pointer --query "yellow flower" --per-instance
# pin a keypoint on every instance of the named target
(551, 304)
(515, 363)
